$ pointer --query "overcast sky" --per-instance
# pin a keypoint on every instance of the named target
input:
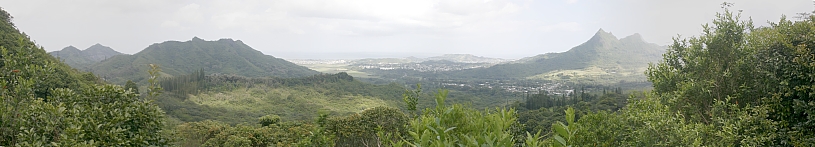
(374, 28)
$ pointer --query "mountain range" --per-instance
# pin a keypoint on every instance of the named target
(602, 57)
(82, 59)
(224, 56)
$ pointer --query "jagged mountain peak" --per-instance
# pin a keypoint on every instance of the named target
(602, 35)
(195, 38)
(636, 37)
(100, 48)
(70, 49)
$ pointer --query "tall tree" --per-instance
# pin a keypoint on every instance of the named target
(130, 85)
(714, 66)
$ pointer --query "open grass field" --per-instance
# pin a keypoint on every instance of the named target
(593, 75)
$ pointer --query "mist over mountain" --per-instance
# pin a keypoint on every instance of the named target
(224, 56)
(82, 59)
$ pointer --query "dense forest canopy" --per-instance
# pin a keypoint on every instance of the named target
(47, 103)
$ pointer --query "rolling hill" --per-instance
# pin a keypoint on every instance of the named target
(224, 56)
(82, 59)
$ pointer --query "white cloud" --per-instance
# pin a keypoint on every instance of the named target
(562, 26)
(571, 1)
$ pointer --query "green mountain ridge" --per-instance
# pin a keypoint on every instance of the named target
(224, 56)
(82, 59)
(603, 51)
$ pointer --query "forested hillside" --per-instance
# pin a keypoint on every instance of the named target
(224, 56)
(47, 103)
(82, 59)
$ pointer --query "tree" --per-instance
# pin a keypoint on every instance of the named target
(458, 125)
(411, 98)
(132, 87)
(714, 66)
(153, 89)
(268, 120)
(361, 129)
(98, 115)
(564, 134)
(787, 53)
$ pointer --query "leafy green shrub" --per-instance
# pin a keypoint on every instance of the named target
(361, 129)
(214, 133)
(458, 125)
(269, 120)
(37, 110)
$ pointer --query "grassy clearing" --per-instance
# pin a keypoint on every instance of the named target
(593, 75)
(289, 103)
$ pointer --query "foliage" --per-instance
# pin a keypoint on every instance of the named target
(132, 87)
(541, 119)
(714, 66)
(564, 135)
(762, 67)
(183, 85)
(361, 129)
(411, 97)
(214, 133)
(649, 122)
(46, 103)
(267, 120)
(20, 51)
(153, 87)
(235, 99)
(98, 116)
(458, 125)
(787, 60)
(733, 86)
